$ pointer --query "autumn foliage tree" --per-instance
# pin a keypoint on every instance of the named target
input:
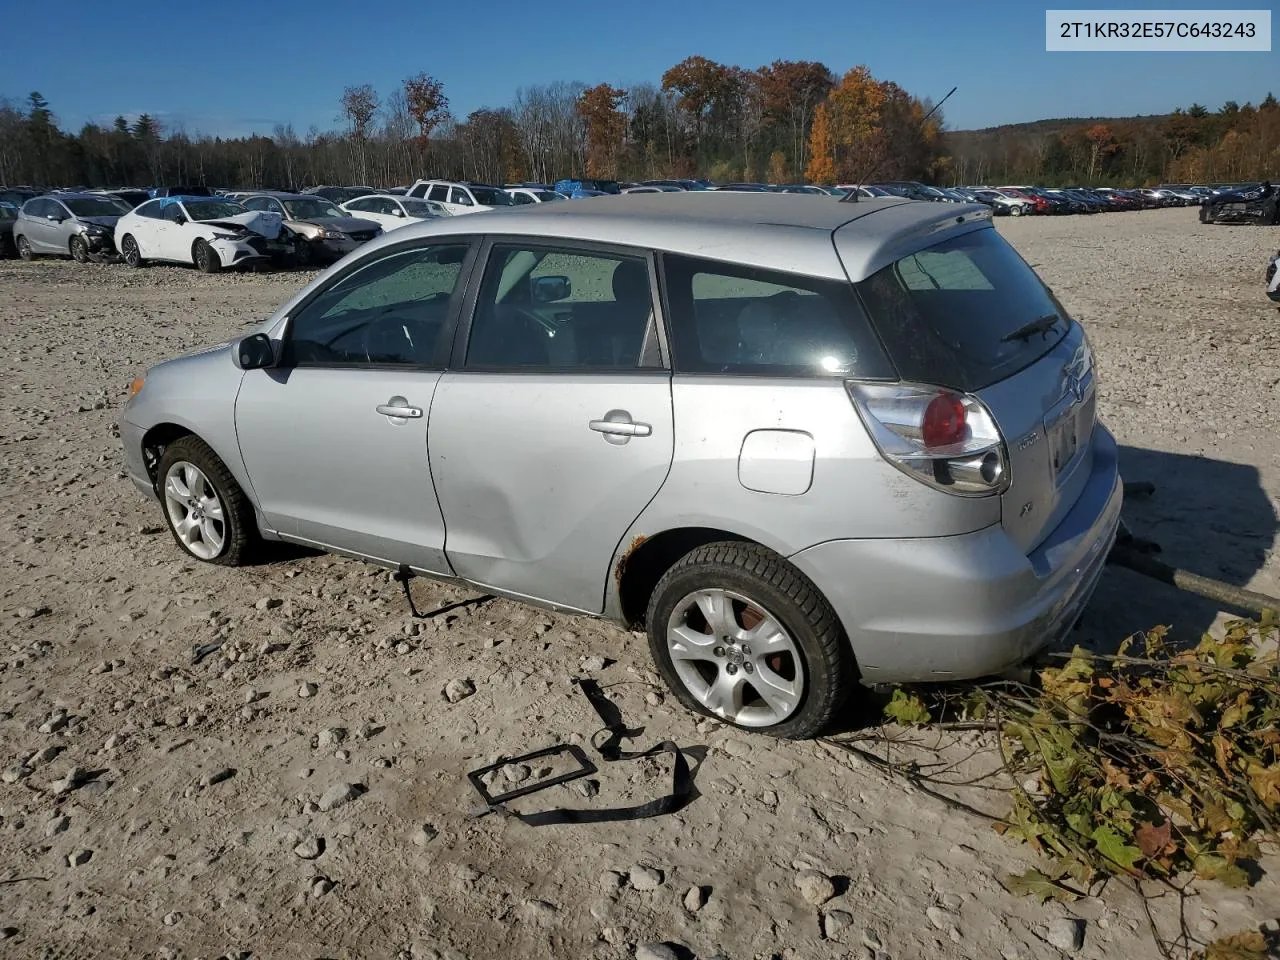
(791, 91)
(1101, 143)
(822, 166)
(606, 125)
(778, 167)
(427, 103)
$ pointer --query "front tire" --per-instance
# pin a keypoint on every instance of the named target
(1015, 210)
(741, 635)
(24, 249)
(205, 258)
(79, 250)
(130, 253)
(205, 509)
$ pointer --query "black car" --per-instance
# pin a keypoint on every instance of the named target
(8, 217)
(17, 196)
(1253, 203)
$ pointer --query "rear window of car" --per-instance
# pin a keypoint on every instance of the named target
(964, 313)
(738, 320)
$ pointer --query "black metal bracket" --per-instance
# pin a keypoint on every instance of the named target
(585, 769)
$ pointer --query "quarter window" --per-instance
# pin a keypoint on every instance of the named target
(563, 308)
(390, 312)
(733, 319)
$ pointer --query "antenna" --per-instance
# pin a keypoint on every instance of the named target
(852, 195)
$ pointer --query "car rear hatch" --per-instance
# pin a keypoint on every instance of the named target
(964, 312)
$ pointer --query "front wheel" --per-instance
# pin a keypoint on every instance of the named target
(740, 634)
(205, 258)
(207, 512)
(79, 250)
(1015, 210)
(129, 251)
(24, 249)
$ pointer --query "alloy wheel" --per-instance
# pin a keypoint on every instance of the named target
(195, 510)
(735, 658)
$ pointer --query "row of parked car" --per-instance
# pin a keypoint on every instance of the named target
(217, 229)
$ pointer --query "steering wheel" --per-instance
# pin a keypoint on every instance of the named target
(387, 336)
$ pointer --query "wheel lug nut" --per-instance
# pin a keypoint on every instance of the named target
(730, 669)
(746, 651)
(718, 651)
(747, 666)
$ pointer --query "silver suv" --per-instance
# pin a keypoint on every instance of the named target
(802, 443)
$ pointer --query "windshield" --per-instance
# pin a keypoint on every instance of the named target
(311, 209)
(213, 209)
(492, 197)
(94, 207)
(421, 208)
(948, 314)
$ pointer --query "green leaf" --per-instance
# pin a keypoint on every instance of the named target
(1033, 883)
(907, 709)
(1214, 866)
(1112, 846)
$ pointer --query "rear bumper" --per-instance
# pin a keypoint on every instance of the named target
(950, 608)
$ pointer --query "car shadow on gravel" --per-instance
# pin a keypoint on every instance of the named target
(276, 553)
(1210, 518)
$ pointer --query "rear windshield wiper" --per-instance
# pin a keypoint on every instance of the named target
(1038, 325)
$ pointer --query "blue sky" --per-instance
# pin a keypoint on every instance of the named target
(234, 67)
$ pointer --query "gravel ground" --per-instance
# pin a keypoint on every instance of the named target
(300, 793)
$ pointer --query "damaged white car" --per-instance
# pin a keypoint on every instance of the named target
(210, 232)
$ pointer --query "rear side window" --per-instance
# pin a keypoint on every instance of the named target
(439, 193)
(964, 313)
(731, 319)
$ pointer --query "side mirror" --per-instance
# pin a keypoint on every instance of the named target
(399, 212)
(550, 289)
(255, 352)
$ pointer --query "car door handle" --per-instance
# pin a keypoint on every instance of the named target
(621, 428)
(399, 410)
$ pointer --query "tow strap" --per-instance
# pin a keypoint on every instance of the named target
(610, 751)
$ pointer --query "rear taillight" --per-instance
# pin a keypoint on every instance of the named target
(946, 439)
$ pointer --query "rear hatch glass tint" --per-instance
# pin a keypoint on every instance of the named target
(964, 313)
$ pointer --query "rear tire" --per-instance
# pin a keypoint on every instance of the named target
(79, 250)
(206, 260)
(801, 671)
(129, 252)
(228, 537)
(24, 249)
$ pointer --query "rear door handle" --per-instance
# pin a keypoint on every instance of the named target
(621, 429)
(399, 407)
(618, 427)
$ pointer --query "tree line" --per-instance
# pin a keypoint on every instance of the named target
(1192, 145)
(790, 120)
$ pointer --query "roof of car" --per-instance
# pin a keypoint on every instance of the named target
(277, 194)
(782, 231)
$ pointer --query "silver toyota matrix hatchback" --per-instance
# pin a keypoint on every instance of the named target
(803, 443)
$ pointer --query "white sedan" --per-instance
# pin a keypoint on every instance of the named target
(390, 211)
(211, 232)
